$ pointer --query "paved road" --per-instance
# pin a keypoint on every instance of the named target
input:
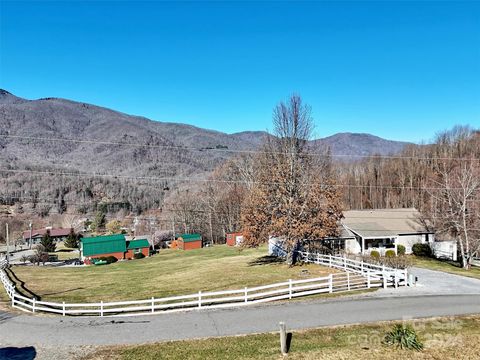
(437, 294)
(432, 282)
(26, 330)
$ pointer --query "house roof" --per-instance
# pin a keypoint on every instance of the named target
(137, 243)
(40, 232)
(190, 237)
(383, 222)
(103, 244)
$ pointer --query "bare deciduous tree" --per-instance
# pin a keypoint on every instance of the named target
(293, 195)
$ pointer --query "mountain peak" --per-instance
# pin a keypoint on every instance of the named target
(8, 98)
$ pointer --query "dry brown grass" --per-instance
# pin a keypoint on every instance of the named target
(448, 338)
(172, 272)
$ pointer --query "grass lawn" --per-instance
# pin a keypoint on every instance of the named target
(453, 338)
(171, 272)
(66, 254)
(446, 266)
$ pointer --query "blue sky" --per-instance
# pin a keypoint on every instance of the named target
(400, 70)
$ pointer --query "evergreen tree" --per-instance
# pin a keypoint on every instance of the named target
(48, 243)
(98, 223)
(72, 240)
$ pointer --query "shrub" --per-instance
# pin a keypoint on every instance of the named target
(401, 249)
(109, 259)
(403, 337)
(390, 253)
(138, 256)
(375, 254)
(422, 250)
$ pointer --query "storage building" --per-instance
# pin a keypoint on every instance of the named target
(189, 241)
(111, 245)
(234, 239)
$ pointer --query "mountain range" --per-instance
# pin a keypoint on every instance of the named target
(61, 135)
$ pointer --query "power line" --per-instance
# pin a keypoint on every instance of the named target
(177, 179)
(56, 201)
(222, 150)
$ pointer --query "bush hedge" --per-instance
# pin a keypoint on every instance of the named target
(401, 250)
(109, 259)
(422, 250)
(375, 254)
(390, 253)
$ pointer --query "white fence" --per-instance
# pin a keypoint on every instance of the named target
(356, 276)
(388, 276)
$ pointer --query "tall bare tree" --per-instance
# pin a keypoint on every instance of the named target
(455, 191)
(293, 195)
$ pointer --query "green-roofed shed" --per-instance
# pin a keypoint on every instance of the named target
(137, 246)
(103, 245)
(112, 245)
(137, 243)
(190, 241)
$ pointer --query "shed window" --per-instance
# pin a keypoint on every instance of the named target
(137, 251)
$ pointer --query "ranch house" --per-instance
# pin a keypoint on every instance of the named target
(57, 234)
(362, 231)
(384, 229)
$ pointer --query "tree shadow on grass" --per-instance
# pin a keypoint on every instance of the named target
(63, 292)
(266, 260)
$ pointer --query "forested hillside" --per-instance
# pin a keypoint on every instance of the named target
(62, 156)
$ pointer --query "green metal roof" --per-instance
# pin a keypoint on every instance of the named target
(191, 237)
(137, 243)
(103, 244)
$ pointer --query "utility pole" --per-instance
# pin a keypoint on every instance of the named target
(30, 242)
(8, 253)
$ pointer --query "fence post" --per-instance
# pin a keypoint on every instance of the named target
(405, 274)
(308, 257)
(348, 281)
(395, 279)
(63, 308)
(361, 266)
(33, 304)
(246, 294)
(101, 308)
(318, 258)
(329, 260)
(344, 263)
(283, 338)
(153, 304)
(200, 299)
(384, 276)
(330, 283)
(368, 279)
(289, 288)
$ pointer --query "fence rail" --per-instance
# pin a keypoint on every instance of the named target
(356, 276)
